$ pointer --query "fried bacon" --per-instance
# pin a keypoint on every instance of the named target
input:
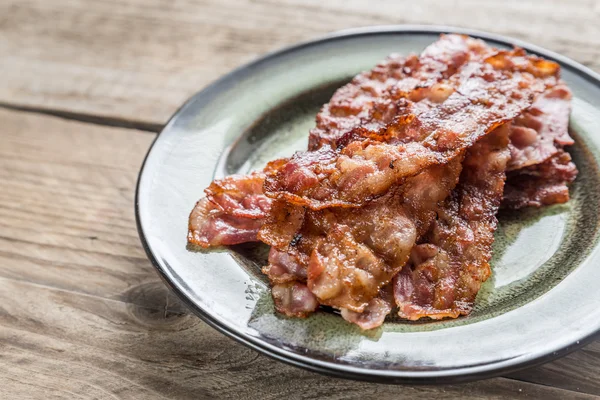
(447, 269)
(370, 99)
(394, 204)
(210, 227)
(233, 210)
(294, 299)
(541, 185)
(539, 168)
(541, 131)
(284, 267)
(374, 313)
(485, 95)
(349, 254)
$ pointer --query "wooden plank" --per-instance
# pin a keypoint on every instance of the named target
(578, 371)
(62, 344)
(134, 62)
(66, 207)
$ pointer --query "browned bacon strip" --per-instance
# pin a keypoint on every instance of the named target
(542, 184)
(233, 211)
(209, 226)
(539, 169)
(369, 100)
(349, 254)
(487, 94)
(542, 130)
(446, 271)
(375, 312)
(352, 104)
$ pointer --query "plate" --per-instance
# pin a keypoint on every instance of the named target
(540, 303)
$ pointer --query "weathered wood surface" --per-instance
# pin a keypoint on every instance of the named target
(136, 61)
(82, 312)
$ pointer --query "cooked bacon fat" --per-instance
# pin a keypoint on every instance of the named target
(294, 299)
(373, 315)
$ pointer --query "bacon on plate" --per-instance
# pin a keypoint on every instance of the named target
(394, 204)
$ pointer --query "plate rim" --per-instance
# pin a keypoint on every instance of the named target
(454, 375)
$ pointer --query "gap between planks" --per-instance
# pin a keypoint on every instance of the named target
(87, 118)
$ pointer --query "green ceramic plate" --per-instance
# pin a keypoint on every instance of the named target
(541, 301)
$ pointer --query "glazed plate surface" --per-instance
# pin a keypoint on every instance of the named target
(541, 301)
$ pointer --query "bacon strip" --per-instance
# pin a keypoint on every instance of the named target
(542, 130)
(240, 195)
(210, 227)
(542, 184)
(370, 99)
(447, 270)
(539, 169)
(349, 254)
(487, 94)
(233, 210)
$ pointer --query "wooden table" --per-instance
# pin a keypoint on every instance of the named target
(85, 86)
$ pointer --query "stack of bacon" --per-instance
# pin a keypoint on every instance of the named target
(394, 204)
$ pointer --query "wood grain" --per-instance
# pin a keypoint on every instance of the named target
(82, 312)
(66, 205)
(133, 62)
(97, 348)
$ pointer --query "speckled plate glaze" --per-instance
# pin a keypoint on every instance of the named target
(541, 302)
